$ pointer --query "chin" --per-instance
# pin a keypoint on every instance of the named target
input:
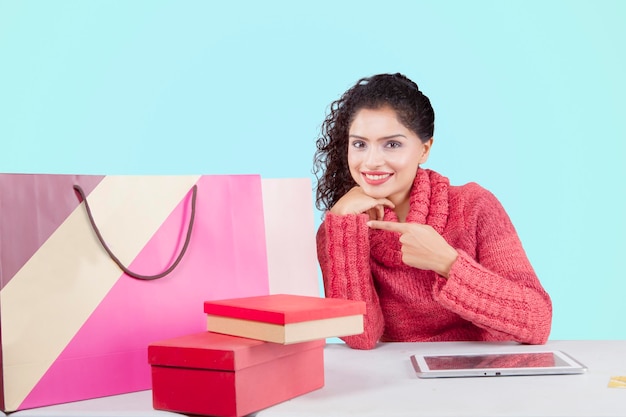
(374, 193)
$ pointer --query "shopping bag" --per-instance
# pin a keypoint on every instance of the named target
(290, 236)
(73, 324)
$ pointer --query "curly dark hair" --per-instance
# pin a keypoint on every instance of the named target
(330, 163)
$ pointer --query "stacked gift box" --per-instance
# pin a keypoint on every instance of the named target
(256, 352)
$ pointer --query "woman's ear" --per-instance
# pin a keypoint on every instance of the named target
(426, 151)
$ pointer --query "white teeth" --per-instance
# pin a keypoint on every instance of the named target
(376, 177)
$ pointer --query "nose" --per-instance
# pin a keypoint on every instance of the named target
(374, 158)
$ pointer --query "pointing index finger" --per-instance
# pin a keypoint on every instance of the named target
(385, 225)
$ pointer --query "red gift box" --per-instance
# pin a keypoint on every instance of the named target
(285, 318)
(219, 375)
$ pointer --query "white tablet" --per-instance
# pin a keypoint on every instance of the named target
(441, 365)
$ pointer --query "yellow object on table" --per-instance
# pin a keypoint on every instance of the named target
(617, 382)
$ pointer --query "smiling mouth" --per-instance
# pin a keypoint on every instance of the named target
(375, 179)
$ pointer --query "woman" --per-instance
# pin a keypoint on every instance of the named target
(432, 261)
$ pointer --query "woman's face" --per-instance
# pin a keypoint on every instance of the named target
(383, 155)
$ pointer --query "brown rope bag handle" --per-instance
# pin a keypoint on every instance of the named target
(80, 191)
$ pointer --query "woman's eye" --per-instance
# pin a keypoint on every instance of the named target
(393, 144)
(358, 144)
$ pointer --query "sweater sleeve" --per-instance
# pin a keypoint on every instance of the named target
(497, 290)
(343, 252)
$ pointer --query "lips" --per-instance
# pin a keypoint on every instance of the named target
(375, 178)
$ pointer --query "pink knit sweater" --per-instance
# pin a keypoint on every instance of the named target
(492, 292)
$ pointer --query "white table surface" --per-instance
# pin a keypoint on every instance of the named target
(382, 382)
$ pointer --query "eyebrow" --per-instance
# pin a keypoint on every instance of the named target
(399, 135)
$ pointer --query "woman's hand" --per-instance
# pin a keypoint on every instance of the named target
(356, 201)
(422, 246)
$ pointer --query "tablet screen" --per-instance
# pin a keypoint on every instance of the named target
(511, 360)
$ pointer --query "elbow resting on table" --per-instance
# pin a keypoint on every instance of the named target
(362, 342)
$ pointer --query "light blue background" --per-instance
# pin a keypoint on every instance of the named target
(529, 97)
